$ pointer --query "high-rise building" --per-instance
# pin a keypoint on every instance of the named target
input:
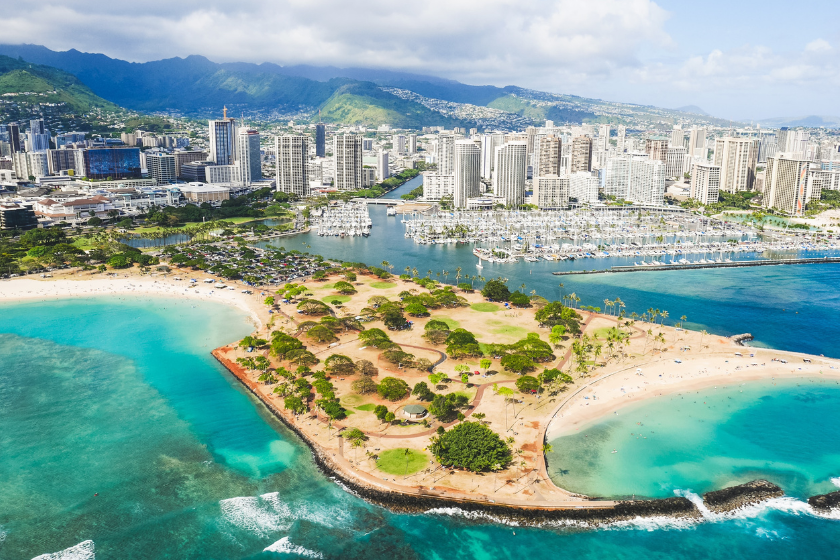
(436, 186)
(510, 169)
(367, 144)
(547, 154)
(292, 164)
(194, 171)
(398, 141)
(13, 131)
(786, 184)
(248, 156)
(38, 136)
(182, 158)
(30, 164)
(636, 179)
(676, 162)
(736, 158)
(551, 192)
(705, 183)
(581, 154)
(656, 148)
(62, 140)
(489, 143)
(347, 153)
(445, 154)
(621, 138)
(467, 172)
(530, 137)
(412, 144)
(223, 140)
(677, 137)
(697, 143)
(583, 187)
(604, 137)
(320, 140)
(383, 167)
(161, 167)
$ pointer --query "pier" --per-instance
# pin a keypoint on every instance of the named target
(733, 264)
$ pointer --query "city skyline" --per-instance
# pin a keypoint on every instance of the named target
(741, 62)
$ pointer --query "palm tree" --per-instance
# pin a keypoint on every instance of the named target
(607, 305)
(408, 270)
(683, 320)
(663, 315)
(429, 273)
(702, 334)
(620, 305)
(546, 448)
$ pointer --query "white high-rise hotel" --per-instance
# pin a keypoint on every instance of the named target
(347, 152)
(467, 172)
(292, 164)
(510, 166)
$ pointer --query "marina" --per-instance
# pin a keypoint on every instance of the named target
(699, 265)
(351, 219)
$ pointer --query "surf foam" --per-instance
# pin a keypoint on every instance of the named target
(285, 546)
(82, 551)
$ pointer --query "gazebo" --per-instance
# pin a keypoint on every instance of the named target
(414, 411)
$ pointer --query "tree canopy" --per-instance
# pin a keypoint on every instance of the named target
(472, 446)
(555, 313)
(392, 389)
(496, 290)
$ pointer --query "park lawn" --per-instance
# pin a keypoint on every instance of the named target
(325, 286)
(382, 285)
(604, 332)
(398, 462)
(484, 307)
(330, 299)
(237, 221)
(366, 407)
(511, 330)
(85, 243)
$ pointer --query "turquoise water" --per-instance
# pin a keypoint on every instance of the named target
(709, 439)
(785, 307)
(120, 398)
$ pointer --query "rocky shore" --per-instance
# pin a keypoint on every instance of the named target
(736, 497)
(824, 503)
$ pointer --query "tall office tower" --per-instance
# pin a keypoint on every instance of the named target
(675, 162)
(347, 153)
(583, 187)
(489, 143)
(39, 136)
(604, 137)
(223, 140)
(445, 154)
(581, 154)
(510, 166)
(551, 192)
(116, 163)
(530, 136)
(293, 164)
(320, 140)
(622, 136)
(697, 143)
(161, 167)
(14, 138)
(383, 167)
(367, 144)
(65, 160)
(785, 184)
(705, 183)
(677, 137)
(548, 153)
(793, 141)
(736, 158)
(656, 147)
(767, 147)
(412, 144)
(467, 172)
(248, 156)
(398, 141)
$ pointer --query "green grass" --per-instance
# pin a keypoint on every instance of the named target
(451, 323)
(484, 307)
(325, 286)
(382, 285)
(366, 407)
(330, 299)
(397, 462)
(604, 332)
(511, 330)
(84, 243)
(351, 400)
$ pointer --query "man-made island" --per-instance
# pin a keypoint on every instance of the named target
(419, 395)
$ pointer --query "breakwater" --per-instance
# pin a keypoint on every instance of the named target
(736, 497)
(733, 264)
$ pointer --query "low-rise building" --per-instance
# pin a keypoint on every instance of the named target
(199, 193)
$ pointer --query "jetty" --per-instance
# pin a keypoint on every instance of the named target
(694, 266)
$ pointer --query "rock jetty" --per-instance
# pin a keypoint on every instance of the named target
(824, 503)
(736, 497)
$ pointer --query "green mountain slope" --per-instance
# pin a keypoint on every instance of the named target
(24, 85)
(363, 103)
(540, 112)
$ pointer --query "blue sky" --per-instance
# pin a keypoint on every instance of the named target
(739, 60)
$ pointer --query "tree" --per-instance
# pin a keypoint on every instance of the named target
(366, 367)
(472, 446)
(313, 307)
(321, 334)
(345, 288)
(555, 313)
(350, 276)
(519, 299)
(339, 364)
(295, 404)
(392, 389)
(444, 407)
(557, 334)
(416, 309)
(394, 319)
(517, 363)
(269, 300)
(333, 409)
(375, 337)
(390, 417)
(422, 391)
(380, 412)
(527, 384)
(94, 221)
(485, 364)
(354, 434)
(496, 290)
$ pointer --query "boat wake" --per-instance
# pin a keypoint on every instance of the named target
(82, 551)
(285, 546)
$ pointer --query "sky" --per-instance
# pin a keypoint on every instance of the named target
(741, 60)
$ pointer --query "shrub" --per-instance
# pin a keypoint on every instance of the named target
(392, 389)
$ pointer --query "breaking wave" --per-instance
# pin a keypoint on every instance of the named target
(285, 546)
(82, 551)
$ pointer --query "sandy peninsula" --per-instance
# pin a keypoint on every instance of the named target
(648, 361)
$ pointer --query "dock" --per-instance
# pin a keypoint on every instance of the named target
(695, 266)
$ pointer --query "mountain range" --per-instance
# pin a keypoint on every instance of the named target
(195, 86)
